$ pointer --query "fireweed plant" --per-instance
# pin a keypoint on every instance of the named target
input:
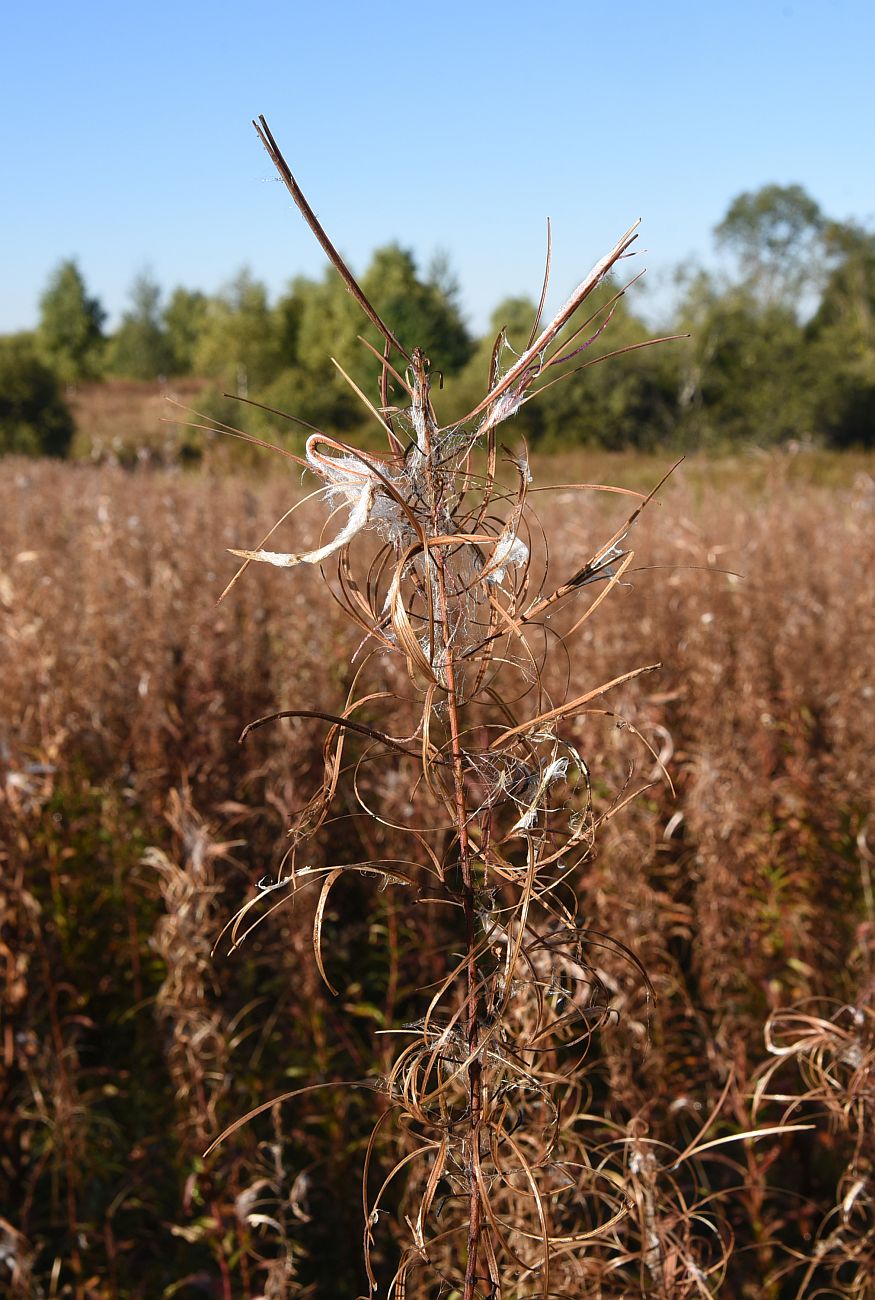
(510, 1185)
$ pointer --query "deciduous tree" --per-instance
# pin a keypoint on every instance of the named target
(776, 234)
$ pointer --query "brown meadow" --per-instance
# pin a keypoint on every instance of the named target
(133, 824)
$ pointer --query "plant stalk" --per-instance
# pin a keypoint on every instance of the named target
(475, 1093)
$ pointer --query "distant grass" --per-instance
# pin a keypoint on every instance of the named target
(119, 418)
(749, 470)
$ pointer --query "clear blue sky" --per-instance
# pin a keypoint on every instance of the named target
(126, 136)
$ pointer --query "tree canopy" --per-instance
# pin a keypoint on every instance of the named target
(141, 346)
(34, 418)
(776, 233)
(781, 346)
(70, 331)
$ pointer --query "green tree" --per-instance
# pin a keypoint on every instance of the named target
(184, 318)
(70, 331)
(34, 418)
(776, 234)
(745, 371)
(627, 401)
(621, 401)
(287, 323)
(239, 343)
(848, 299)
(511, 322)
(140, 347)
(842, 339)
(322, 321)
(317, 320)
(421, 313)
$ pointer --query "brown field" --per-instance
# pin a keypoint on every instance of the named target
(133, 824)
(126, 421)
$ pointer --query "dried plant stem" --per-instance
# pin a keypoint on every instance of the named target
(455, 594)
(475, 1076)
(437, 557)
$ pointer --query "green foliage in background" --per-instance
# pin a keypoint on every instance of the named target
(776, 234)
(184, 318)
(70, 331)
(777, 346)
(746, 369)
(239, 344)
(141, 347)
(842, 340)
(34, 418)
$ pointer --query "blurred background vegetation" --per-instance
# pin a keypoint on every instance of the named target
(132, 823)
(780, 347)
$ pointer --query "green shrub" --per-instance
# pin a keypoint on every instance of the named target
(34, 418)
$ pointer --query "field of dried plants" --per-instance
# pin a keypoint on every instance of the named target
(133, 825)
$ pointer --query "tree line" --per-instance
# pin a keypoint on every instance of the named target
(780, 346)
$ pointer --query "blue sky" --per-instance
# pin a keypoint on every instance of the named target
(126, 136)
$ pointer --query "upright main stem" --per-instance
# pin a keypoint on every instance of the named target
(425, 430)
(475, 1080)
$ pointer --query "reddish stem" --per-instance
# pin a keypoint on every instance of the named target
(475, 1094)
